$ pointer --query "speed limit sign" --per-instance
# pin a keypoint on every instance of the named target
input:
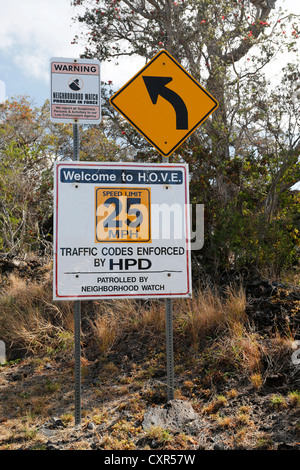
(121, 230)
(123, 215)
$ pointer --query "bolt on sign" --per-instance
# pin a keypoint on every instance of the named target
(75, 91)
(121, 230)
(164, 103)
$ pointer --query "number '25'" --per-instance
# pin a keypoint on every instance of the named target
(130, 201)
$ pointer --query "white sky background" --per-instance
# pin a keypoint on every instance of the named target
(33, 31)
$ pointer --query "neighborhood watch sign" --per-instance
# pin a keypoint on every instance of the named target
(75, 91)
(121, 231)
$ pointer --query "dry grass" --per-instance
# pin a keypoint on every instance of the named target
(114, 319)
(208, 313)
(30, 321)
(256, 380)
(212, 340)
(212, 326)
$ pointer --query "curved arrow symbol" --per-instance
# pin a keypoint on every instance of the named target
(157, 86)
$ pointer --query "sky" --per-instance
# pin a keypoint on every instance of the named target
(33, 31)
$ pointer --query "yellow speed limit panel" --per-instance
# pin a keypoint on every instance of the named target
(123, 214)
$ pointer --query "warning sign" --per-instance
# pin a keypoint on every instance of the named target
(75, 91)
(121, 230)
(164, 103)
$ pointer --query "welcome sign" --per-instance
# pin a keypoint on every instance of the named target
(121, 230)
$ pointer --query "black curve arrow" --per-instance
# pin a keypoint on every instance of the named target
(157, 86)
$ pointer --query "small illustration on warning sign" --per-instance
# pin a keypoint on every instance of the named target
(75, 84)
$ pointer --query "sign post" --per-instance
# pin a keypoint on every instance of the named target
(75, 97)
(174, 104)
(169, 343)
(77, 313)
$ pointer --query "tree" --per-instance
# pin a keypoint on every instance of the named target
(29, 145)
(24, 175)
(247, 153)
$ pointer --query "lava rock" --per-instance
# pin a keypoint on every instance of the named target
(172, 416)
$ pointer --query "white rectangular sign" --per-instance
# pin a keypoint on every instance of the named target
(75, 91)
(121, 230)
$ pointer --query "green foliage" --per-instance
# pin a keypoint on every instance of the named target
(29, 144)
(25, 182)
(240, 229)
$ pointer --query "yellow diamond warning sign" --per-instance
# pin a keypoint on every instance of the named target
(164, 103)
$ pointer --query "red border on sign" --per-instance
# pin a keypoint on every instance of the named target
(82, 297)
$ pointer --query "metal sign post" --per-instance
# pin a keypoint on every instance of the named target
(169, 350)
(77, 350)
(174, 104)
(77, 313)
(169, 341)
(75, 98)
